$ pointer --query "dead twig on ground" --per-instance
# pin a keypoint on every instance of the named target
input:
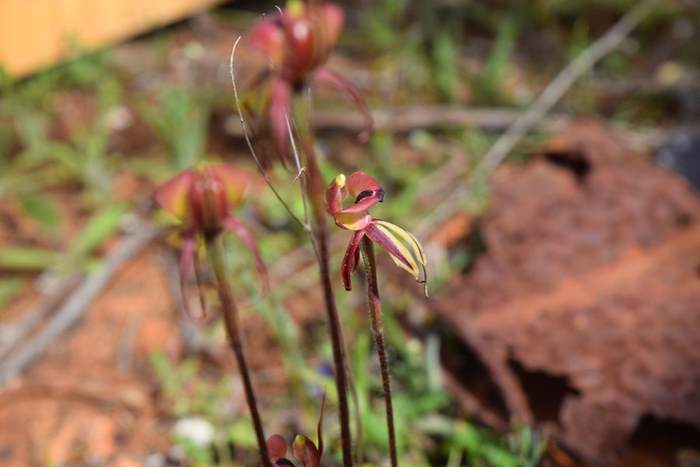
(554, 91)
(17, 332)
(76, 306)
(406, 119)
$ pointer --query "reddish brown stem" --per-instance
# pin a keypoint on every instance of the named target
(374, 306)
(315, 191)
(230, 313)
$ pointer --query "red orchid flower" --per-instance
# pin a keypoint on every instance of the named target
(201, 199)
(303, 448)
(403, 248)
(297, 42)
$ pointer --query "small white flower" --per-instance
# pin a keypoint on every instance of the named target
(196, 429)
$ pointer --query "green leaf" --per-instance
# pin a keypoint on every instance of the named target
(19, 258)
(241, 434)
(40, 209)
(498, 457)
(98, 229)
(10, 288)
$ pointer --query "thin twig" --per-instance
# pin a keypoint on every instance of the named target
(423, 117)
(51, 299)
(542, 105)
(246, 134)
(76, 306)
(441, 117)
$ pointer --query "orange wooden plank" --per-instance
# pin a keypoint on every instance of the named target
(38, 33)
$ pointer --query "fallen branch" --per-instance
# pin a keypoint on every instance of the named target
(77, 304)
(554, 91)
(17, 332)
(406, 119)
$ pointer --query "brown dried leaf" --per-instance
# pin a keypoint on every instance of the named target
(591, 275)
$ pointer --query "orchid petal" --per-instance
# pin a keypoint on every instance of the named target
(301, 36)
(331, 78)
(334, 194)
(305, 450)
(358, 182)
(402, 246)
(351, 258)
(276, 446)
(352, 220)
(172, 195)
(280, 95)
(241, 231)
(236, 182)
(332, 24)
(268, 37)
(364, 204)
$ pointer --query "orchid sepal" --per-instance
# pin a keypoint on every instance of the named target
(202, 199)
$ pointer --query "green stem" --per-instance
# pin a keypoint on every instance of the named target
(374, 306)
(230, 313)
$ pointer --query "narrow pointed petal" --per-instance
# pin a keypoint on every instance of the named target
(402, 246)
(326, 76)
(241, 231)
(351, 258)
(280, 95)
(305, 450)
(172, 195)
(188, 252)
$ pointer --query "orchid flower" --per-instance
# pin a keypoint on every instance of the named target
(303, 449)
(201, 199)
(402, 246)
(297, 42)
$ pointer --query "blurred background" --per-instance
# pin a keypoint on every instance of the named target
(563, 327)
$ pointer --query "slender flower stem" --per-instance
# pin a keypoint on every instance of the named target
(315, 190)
(377, 322)
(334, 327)
(230, 313)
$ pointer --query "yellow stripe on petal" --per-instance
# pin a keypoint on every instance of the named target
(410, 248)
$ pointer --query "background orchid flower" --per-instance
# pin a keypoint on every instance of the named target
(303, 449)
(202, 199)
(297, 42)
(402, 246)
